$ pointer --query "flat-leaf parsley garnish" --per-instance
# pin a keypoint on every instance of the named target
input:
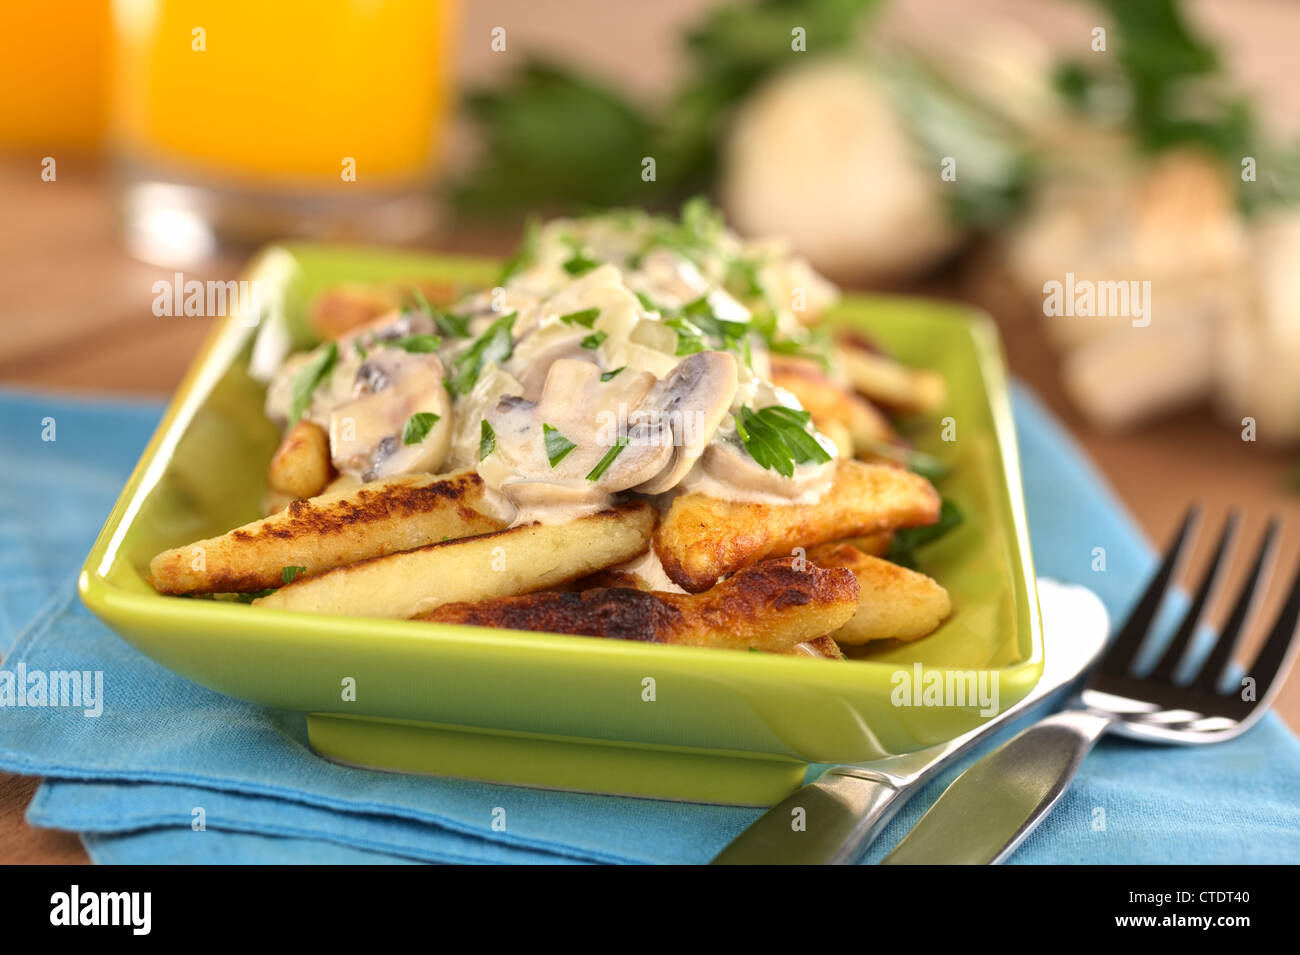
(585, 317)
(309, 377)
(494, 345)
(418, 427)
(777, 437)
(416, 344)
(557, 445)
(603, 464)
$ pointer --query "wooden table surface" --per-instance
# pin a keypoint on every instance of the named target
(76, 318)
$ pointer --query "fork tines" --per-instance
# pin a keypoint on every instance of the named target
(1272, 657)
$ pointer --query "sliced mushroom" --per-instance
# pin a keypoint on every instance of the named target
(388, 328)
(369, 433)
(728, 463)
(591, 413)
(537, 355)
(693, 400)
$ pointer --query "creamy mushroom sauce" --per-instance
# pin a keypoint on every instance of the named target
(593, 359)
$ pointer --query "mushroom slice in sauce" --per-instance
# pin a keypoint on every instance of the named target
(726, 464)
(692, 401)
(368, 433)
(591, 414)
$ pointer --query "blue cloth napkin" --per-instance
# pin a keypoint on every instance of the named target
(172, 772)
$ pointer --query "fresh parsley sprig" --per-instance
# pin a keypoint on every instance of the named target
(926, 465)
(609, 457)
(418, 426)
(777, 438)
(557, 445)
(451, 325)
(495, 345)
(585, 317)
(906, 542)
(415, 344)
(309, 378)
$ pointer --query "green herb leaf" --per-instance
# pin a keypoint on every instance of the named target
(580, 265)
(593, 340)
(603, 464)
(554, 138)
(926, 465)
(309, 378)
(526, 254)
(359, 349)
(288, 574)
(244, 598)
(494, 345)
(487, 441)
(649, 304)
(557, 445)
(1172, 85)
(689, 338)
(777, 438)
(585, 318)
(415, 344)
(701, 315)
(453, 326)
(418, 426)
(611, 375)
(902, 549)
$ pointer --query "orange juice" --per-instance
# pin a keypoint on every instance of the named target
(282, 93)
(52, 81)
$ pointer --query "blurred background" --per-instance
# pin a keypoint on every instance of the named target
(985, 150)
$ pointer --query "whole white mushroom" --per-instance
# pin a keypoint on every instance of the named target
(819, 155)
(1259, 348)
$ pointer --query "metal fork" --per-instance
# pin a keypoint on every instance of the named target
(988, 811)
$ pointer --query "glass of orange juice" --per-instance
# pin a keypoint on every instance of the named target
(239, 121)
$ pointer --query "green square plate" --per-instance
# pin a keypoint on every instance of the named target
(561, 711)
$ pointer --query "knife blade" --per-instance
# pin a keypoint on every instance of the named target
(986, 812)
(834, 819)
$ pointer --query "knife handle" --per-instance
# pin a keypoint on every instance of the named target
(987, 811)
(829, 821)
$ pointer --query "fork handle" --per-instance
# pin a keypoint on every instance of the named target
(826, 822)
(987, 811)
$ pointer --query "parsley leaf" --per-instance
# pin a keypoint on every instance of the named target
(526, 254)
(902, 549)
(453, 326)
(487, 441)
(308, 378)
(418, 426)
(701, 315)
(611, 375)
(580, 264)
(926, 465)
(777, 438)
(557, 445)
(603, 464)
(593, 340)
(586, 318)
(494, 345)
(288, 574)
(415, 344)
(689, 338)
